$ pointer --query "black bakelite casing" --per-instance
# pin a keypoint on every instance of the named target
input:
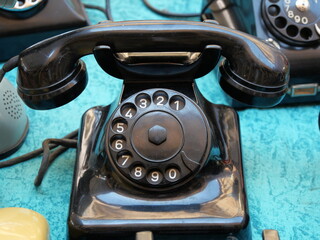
(213, 202)
(106, 200)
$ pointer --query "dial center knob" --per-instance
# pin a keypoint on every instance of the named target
(157, 136)
(303, 5)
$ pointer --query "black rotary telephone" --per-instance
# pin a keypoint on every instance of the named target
(161, 158)
(291, 25)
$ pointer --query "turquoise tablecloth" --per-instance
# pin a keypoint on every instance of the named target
(281, 149)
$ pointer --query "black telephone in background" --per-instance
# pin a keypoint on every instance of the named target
(161, 158)
(291, 25)
(25, 22)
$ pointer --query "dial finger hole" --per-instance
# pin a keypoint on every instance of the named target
(128, 110)
(160, 98)
(143, 100)
(155, 177)
(274, 10)
(177, 103)
(124, 159)
(21, 3)
(172, 174)
(306, 33)
(292, 31)
(280, 22)
(138, 172)
(119, 125)
(118, 142)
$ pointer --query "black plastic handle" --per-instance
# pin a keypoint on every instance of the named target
(52, 67)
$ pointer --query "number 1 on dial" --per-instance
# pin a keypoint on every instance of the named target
(177, 103)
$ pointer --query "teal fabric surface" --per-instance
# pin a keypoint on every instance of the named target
(280, 148)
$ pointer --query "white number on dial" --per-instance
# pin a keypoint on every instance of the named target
(143, 103)
(125, 159)
(297, 18)
(120, 127)
(138, 172)
(177, 104)
(155, 176)
(119, 144)
(304, 20)
(290, 14)
(129, 113)
(160, 100)
(172, 174)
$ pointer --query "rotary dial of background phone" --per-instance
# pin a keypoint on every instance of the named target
(158, 139)
(296, 20)
(24, 5)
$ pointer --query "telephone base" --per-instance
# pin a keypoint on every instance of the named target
(103, 206)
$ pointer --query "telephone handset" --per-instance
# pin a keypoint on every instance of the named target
(161, 157)
(51, 74)
(291, 25)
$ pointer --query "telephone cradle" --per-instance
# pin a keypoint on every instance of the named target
(161, 157)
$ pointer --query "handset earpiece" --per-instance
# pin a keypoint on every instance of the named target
(51, 74)
(256, 85)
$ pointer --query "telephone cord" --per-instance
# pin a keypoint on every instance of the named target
(8, 66)
(171, 14)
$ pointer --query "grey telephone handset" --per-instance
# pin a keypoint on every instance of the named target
(13, 119)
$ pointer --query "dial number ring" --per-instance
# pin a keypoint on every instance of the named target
(296, 22)
(161, 107)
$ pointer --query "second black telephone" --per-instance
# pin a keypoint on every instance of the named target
(161, 158)
(25, 22)
(291, 25)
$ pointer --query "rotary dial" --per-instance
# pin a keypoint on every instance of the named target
(24, 5)
(294, 21)
(153, 140)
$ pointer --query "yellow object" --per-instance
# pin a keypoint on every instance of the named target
(22, 224)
